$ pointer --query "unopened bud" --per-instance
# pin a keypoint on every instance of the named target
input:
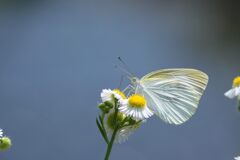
(5, 143)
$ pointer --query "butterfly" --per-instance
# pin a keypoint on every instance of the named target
(172, 94)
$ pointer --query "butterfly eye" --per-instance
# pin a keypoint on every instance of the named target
(134, 80)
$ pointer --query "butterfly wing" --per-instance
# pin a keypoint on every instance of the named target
(173, 94)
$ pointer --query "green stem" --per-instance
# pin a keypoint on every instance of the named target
(109, 148)
(110, 144)
(238, 103)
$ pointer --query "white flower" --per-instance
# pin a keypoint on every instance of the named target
(235, 91)
(123, 133)
(1, 132)
(232, 93)
(136, 107)
(237, 158)
(109, 95)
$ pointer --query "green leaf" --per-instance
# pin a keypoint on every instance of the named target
(101, 119)
(103, 133)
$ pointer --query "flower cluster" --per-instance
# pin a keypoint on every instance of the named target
(121, 113)
(120, 116)
(5, 142)
(235, 90)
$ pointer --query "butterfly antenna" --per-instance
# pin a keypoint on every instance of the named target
(125, 67)
(121, 81)
(128, 74)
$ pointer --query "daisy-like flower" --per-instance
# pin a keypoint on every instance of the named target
(235, 91)
(136, 107)
(123, 133)
(237, 158)
(109, 95)
(1, 132)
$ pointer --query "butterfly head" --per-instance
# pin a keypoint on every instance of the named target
(135, 81)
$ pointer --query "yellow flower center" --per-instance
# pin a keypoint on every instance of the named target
(137, 101)
(120, 93)
(236, 81)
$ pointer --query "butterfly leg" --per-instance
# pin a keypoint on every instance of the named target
(129, 89)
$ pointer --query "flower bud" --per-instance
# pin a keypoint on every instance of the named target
(5, 143)
(105, 109)
(132, 121)
(109, 104)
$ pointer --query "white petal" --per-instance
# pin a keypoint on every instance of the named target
(231, 93)
(237, 91)
(237, 158)
(106, 95)
(1, 132)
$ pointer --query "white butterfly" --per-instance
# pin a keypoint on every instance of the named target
(172, 94)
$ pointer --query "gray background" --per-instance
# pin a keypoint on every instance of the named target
(56, 56)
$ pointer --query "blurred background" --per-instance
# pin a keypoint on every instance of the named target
(57, 56)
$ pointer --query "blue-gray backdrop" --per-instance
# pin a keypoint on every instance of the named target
(56, 56)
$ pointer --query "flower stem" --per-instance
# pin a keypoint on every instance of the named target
(109, 148)
(110, 144)
(238, 103)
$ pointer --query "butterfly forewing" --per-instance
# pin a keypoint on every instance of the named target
(173, 94)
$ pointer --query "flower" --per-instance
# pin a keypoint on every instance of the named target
(232, 93)
(1, 132)
(117, 92)
(235, 91)
(136, 107)
(236, 81)
(109, 95)
(122, 133)
(237, 158)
